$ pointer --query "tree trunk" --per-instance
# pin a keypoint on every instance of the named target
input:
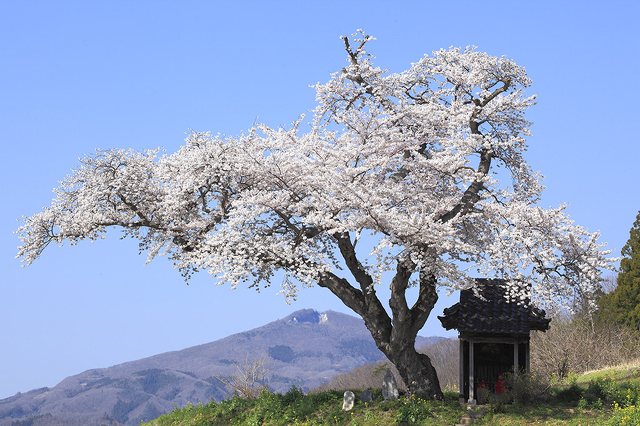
(395, 336)
(418, 373)
(398, 345)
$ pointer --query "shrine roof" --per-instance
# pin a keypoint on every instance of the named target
(490, 311)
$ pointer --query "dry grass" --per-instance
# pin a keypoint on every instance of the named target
(443, 355)
(626, 371)
(578, 345)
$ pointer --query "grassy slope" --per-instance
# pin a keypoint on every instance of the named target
(628, 372)
(569, 413)
(324, 408)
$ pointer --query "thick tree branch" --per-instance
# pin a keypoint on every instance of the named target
(348, 252)
(350, 296)
(376, 315)
(472, 194)
(427, 298)
(398, 301)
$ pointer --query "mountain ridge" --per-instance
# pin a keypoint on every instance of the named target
(303, 349)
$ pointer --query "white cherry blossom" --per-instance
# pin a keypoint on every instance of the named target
(427, 165)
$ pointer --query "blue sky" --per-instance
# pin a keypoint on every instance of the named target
(77, 76)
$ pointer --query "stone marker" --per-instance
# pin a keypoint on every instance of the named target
(348, 400)
(366, 396)
(389, 386)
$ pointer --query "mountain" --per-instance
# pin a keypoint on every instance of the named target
(305, 349)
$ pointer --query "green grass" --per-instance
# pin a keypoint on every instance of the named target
(604, 397)
(294, 408)
(325, 408)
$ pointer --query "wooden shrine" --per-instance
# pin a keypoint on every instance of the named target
(494, 335)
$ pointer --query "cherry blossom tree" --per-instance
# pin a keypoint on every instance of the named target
(424, 168)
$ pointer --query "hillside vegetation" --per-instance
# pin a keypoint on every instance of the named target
(604, 397)
(626, 372)
(324, 408)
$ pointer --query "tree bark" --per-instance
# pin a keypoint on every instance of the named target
(417, 372)
(415, 368)
(395, 336)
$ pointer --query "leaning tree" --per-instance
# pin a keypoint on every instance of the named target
(425, 168)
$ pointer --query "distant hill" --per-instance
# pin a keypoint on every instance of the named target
(305, 349)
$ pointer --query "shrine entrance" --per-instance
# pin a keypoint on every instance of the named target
(494, 336)
(493, 362)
